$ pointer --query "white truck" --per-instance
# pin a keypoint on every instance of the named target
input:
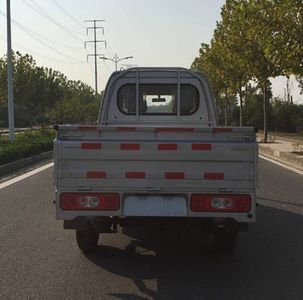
(157, 157)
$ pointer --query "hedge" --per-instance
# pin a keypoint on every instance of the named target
(25, 145)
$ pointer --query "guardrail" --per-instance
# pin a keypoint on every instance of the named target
(6, 131)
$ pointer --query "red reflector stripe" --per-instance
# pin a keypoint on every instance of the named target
(126, 128)
(129, 146)
(174, 175)
(135, 175)
(222, 129)
(167, 147)
(174, 129)
(214, 176)
(96, 174)
(201, 147)
(91, 146)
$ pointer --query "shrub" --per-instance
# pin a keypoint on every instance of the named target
(26, 144)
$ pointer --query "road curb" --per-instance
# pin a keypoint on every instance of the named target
(22, 163)
(287, 158)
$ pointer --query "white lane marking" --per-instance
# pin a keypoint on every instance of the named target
(282, 165)
(26, 175)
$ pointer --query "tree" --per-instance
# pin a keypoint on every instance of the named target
(231, 41)
(284, 39)
(256, 40)
(250, 21)
(74, 111)
(215, 68)
(41, 92)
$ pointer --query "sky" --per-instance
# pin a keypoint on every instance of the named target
(154, 32)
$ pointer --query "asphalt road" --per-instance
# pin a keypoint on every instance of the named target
(40, 260)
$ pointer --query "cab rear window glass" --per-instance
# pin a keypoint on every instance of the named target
(158, 99)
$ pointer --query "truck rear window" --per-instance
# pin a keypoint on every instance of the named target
(158, 99)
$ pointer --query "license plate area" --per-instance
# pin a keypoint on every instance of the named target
(155, 205)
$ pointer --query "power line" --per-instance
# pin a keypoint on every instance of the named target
(108, 47)
(67, 13)
(95, 42)
(52, 41)
(109, 53)
(46, 56)
(49, 40)
(27, 31)
(46, 14)
(37, 8)
(43, 55)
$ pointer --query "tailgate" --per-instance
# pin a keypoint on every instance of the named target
(130, 159)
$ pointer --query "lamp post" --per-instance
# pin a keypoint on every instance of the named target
(116, 59)
(10, 94)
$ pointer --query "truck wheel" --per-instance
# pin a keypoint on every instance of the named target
(224, 241)
(87, 240)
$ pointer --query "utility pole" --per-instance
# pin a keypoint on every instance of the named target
(10, 93)
(95, 42)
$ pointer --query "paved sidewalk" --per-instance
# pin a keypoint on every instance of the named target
(284, 150)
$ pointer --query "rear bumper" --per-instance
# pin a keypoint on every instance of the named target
(109, 224)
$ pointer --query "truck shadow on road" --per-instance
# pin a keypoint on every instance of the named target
(267, 263)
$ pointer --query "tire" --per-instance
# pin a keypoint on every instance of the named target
(224, 241)
(87, 240)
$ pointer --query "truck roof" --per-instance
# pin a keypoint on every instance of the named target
(141, 77)
(157, 69)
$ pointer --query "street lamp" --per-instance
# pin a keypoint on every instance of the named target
(116, 59)
(10, 93)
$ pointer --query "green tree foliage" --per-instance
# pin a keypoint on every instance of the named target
(211, 63)
(284, 35)
(45, 96)
(286, 116)
(74, 111)
(255, 41)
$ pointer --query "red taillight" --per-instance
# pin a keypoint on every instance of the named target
(89, 201)
(218, 202)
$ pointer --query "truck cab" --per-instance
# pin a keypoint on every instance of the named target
(158, 96)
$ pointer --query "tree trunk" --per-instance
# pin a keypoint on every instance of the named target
(241, 102)
(265, 113)
(226, 109)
